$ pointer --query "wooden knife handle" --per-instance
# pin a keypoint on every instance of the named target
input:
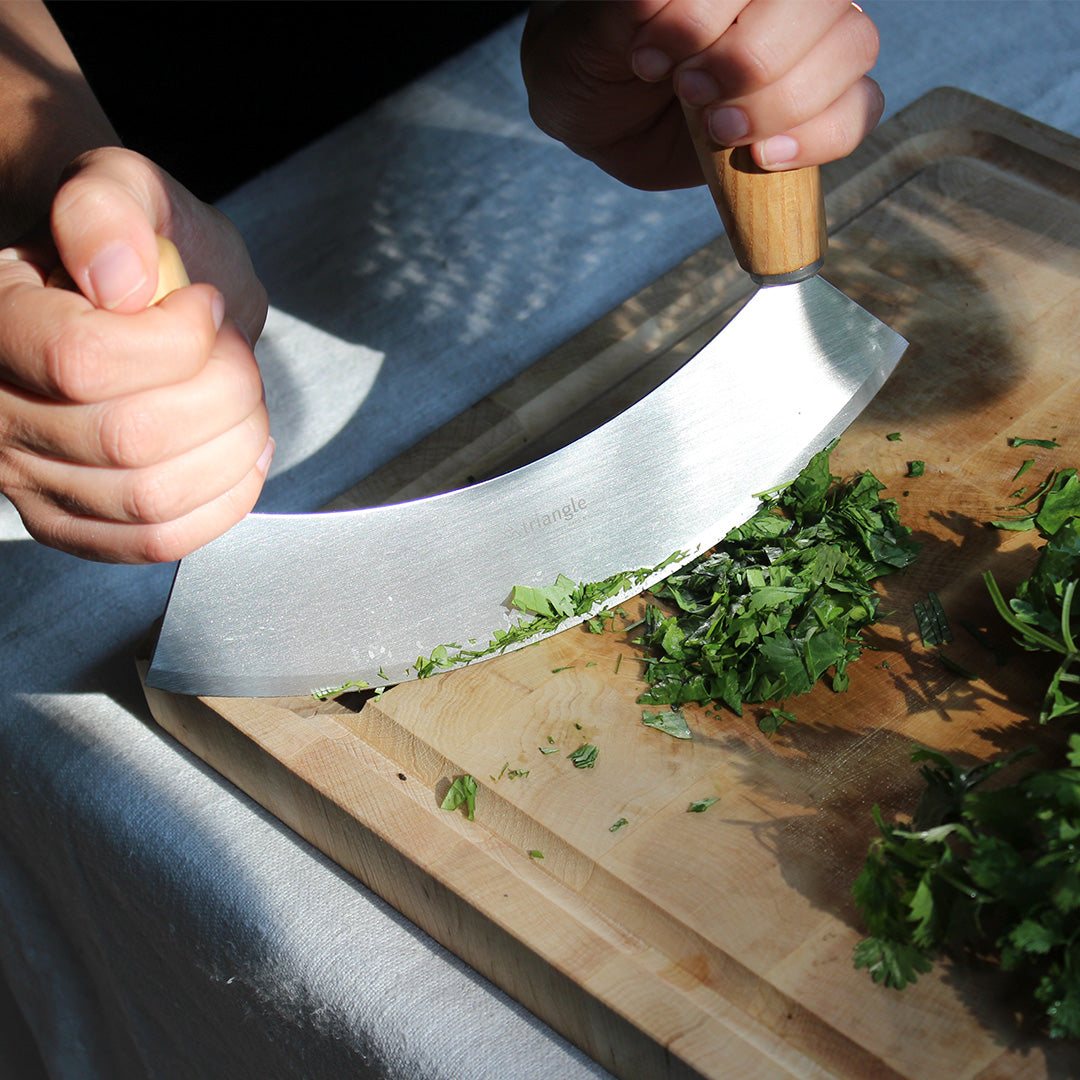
(774, 220)
(170, 269)
(171, 272)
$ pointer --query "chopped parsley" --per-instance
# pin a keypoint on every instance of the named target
(781, 600)
(584, 757)
(462, 793)
(1046, 444)
(699, 806)
(932, 621)
(548, 607)
(670, 721)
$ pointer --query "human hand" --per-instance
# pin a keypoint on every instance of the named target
(130, 433)
(788, 78)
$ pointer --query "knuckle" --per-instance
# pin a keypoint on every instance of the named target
(130, 434)
(161, 543)
(13, 476)
(866, 41)
(76, 363)
(755, 66)
(841, 136)
(150, 499)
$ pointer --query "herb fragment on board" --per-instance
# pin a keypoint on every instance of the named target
(893, 436)
(329, 692)
(699, 806)
(1045, 615)
(548, 608)
(621, 823)
(916, 468)
(932, 621)
(781, 600)
(670, 721)
(774, 720)
(584, 757)
(462, 793)
(1051, 504)
(1028, 462)
(1046, 444)
(536, 854)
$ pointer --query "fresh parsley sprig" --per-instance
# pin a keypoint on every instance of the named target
(996, 870)
(982, 869)
(1045, 612)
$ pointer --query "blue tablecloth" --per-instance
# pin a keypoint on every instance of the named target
(154, 922)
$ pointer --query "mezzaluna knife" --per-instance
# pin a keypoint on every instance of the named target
(286, 605)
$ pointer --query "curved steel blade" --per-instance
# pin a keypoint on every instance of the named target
(284, 605)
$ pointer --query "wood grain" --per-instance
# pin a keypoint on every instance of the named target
(774, 221)
(719, 944)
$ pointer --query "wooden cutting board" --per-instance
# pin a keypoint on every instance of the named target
(719, 944)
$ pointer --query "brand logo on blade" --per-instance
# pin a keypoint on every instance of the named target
(556, 516)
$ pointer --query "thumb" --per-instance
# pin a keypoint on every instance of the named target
(105, 218)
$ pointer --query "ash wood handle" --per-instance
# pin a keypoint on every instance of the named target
(774, 220)
(171, 272)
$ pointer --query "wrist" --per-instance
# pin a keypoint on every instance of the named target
(50, 115)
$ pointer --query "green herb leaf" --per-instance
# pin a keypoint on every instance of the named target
(774, 720)
(584, 757)
(916, 468)
(618, 825)
(670, 721)
(462, 792)
(1046, 444)
(932, 621)
(699, 806)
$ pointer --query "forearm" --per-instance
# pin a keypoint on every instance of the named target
(48, 114)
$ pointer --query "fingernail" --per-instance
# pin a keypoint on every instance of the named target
(217, 310)
(779, 150)
(650, 64)
(263, 464)
(696, 87)
(115, 274)
(727, 125)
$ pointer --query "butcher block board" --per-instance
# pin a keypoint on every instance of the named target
(719, 944)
